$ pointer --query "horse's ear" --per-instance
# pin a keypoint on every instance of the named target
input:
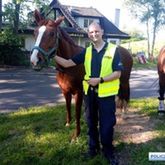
(38, 16)
(59, 20)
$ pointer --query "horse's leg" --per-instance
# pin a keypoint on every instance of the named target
(125, 106)
(78, 104)
(68, 98)
(127, 97)
(161, 108)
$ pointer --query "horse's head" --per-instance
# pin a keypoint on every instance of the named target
(47, 38)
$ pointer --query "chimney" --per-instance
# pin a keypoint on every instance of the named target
(117, 17)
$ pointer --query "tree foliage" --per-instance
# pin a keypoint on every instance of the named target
(150, 12)
(10, 46)
(0, 15)
(15, 17)
(16, 11)
(135, 36)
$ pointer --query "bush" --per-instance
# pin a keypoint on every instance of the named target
(11, 49)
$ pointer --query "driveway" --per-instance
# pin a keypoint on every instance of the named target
(144, 83)
(20, 87)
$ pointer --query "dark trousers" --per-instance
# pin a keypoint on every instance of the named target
(100, 116)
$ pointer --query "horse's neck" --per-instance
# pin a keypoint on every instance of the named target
(67, 47)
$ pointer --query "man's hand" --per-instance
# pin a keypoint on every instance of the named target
(93, 81)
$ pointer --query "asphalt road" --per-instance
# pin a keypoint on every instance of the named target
(21, 87)
(144, 83)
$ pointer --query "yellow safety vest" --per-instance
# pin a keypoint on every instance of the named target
(105, 89)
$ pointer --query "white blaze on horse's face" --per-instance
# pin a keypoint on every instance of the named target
(34, 59)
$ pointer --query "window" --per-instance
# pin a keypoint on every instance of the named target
(87, 22)
(90, 21)
(51, 15)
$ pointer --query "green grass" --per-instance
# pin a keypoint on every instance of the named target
(148, 65)
(139, 46)
(38, 136)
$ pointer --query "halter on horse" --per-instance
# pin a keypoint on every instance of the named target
(161, 73)
(52, 40)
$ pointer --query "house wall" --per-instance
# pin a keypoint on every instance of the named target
(81, 41)
(30, 41)
(80, 21)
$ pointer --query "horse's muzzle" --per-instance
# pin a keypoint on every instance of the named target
(40, 65)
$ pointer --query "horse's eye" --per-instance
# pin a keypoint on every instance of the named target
(51, 34)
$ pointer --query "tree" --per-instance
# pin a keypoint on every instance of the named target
(14, 12)
(0, 15)
(17, 4)
(150, 12)
(135, 34)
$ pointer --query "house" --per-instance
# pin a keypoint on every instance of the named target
(76, 22)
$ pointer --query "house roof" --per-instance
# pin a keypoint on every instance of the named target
(84, 11)
(111, 31)
(71, 12)
(55, 4)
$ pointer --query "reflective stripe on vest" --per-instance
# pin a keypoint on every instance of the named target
(107, 88)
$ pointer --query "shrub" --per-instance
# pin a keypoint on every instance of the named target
(11, 49)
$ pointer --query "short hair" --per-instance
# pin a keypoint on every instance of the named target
(95, 23)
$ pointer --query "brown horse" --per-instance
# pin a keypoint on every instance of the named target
(52, 40)
(161, 73)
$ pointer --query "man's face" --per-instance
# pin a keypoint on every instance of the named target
(95, 33)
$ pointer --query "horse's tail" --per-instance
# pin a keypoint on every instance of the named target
(123, 97)
(124, 90)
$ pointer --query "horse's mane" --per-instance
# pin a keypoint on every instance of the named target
(66, 36)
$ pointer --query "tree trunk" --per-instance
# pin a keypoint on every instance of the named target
(148, 40)
(16, 20)
(0, 15)
(154, 37)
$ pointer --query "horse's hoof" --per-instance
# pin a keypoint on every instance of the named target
(161, 113)
(161, 107)
(74, 140)
(67, 124)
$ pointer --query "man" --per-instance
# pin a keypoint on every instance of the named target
(101, 83)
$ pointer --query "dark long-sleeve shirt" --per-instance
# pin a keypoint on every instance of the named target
(96, 60)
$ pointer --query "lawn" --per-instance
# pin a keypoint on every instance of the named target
(38, 136)
(148, 65)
